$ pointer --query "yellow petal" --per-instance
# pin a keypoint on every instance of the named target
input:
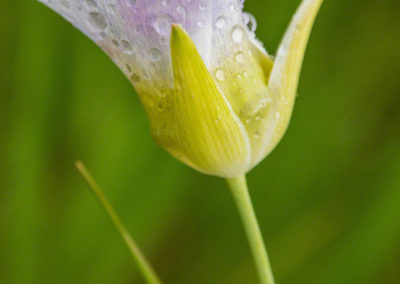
(209, 135)
(263, 59)
(242, 76)
(285, 74)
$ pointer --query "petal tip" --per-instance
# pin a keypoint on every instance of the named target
(178, 33)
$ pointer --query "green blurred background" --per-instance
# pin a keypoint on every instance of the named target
(328, 198)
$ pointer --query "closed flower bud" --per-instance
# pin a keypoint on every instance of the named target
(215, 98)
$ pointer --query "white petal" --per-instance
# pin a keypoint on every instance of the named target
(135, 33)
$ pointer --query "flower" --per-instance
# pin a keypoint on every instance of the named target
(215, 98)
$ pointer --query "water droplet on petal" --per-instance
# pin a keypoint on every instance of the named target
(237, 34)
(201, 24)
(155, 54)
(220, 75)
(165, 3)
(126, 46)
(252, 25)
(250, 22)
(240, 57)
(202, 7)
(97, 20)
(111, 8)
(160, 107)
(163, 24)
(65, 4)
(163, 40)
(90, 4)
(115, 42)
(220, 23)
(181, 10)
(135, 78)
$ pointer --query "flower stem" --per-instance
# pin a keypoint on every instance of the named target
(144, 266)
(241, 196)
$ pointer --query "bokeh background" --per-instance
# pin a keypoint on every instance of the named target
(328, 197)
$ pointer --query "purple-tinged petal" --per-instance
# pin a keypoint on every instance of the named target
(135, 33)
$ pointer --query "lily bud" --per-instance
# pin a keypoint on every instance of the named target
(216, 100)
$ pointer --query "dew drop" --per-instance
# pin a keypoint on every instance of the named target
(160, 107)
(220, 23)
(165, 3)
(237, 34)
(201, 24)
(91, 4)
(126, 47)
(155, 54)
(115, 42)
(135, 78)
(220, 75)
(163, 24)
(132, 2)
(245, 18)
(65, 4)
(111, 8)
(250, 22)
(202, 7)
(163, 40)
(240, 57)
(181, 10)
(97, 20)
(257, 135)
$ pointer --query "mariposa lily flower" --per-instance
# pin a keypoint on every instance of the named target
(215, 98)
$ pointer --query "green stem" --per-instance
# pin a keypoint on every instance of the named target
(144, 266)
(241, 195)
